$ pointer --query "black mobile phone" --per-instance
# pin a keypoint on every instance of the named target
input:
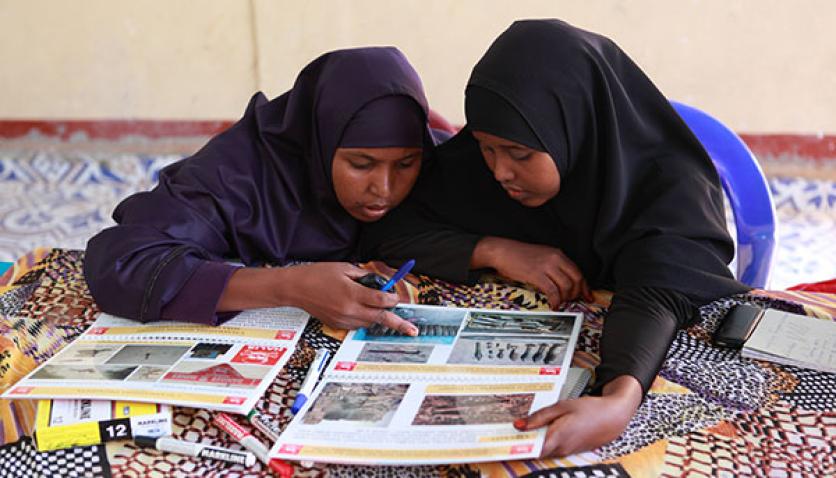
(737, 326)
(373, 281)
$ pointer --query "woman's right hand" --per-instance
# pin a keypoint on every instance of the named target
(546, 268)
(329, 292)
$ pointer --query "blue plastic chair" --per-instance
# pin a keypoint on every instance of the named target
(747, 190)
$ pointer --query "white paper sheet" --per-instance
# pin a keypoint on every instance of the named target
(794, 339)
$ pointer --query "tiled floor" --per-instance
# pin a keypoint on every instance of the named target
(60, 195)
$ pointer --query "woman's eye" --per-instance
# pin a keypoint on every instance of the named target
(407, 164)
(520, 156)
(362, 166)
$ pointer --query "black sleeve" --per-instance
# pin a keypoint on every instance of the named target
(439, 250)
(638, 330)
(442, 254)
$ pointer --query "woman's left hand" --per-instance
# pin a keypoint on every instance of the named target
(586, 423)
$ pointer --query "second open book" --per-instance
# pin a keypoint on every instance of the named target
(448, 395)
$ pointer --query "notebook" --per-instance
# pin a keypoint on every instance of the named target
(792, 339)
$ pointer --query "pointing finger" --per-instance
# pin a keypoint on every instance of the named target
(394, 322)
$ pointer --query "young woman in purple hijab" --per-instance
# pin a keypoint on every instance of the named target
(290, 181)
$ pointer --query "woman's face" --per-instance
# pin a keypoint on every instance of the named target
(528, 176)
(369, 182)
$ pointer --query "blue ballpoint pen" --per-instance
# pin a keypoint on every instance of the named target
(404, 270)
(314, 371)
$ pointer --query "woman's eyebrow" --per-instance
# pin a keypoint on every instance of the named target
(369, 157)
(409, 155)
(514, 147)
(357, 154)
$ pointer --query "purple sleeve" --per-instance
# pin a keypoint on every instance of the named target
(218, 203)
(197, 301)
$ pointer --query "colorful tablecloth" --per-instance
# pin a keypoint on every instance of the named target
(710, 412)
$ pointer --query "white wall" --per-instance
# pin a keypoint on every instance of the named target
(759, 65)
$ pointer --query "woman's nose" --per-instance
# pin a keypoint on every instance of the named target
(381, 184)
(502, 169)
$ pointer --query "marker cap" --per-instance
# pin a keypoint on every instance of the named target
(282, 468)
(146, 441)
(298, 403)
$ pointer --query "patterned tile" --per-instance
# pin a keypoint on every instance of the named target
(60, 198)
(806, 213)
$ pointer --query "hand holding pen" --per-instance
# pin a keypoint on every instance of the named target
(330, 292)
(374, 281)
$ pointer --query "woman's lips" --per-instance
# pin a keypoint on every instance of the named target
(375, 210)
(513, 192)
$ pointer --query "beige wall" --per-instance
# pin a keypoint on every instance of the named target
(758, 65)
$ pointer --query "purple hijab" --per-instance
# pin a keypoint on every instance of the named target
(260, 192)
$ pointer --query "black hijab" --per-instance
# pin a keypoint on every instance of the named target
(640, 202)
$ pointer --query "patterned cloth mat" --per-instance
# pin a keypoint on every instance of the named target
(62, 197)
(709, 413)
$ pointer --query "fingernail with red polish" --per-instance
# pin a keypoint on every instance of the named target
(519, 423)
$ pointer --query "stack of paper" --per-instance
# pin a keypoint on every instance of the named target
(576, 382)
(792, 339)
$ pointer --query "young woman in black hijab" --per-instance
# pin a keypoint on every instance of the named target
(591, 178)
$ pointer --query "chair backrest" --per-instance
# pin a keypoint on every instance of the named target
(747, 190)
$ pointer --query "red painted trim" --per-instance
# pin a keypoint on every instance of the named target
(796, 145)
(109, 129)
(763, 145)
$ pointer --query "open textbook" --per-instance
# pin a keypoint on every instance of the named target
(448, 395)
(225, 368)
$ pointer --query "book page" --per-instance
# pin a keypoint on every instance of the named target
(223, 368)
(462, 342)
(448, 395)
